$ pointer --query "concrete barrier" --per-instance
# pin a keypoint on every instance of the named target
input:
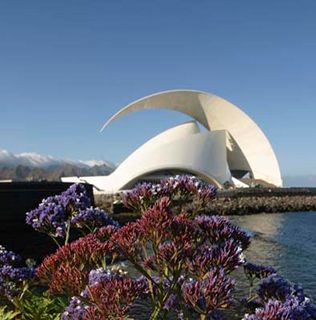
(17, 198)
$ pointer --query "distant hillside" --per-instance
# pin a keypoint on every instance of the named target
(300, 181)
(25, 173)
(34, 167)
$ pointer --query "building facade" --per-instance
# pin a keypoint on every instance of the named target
(231, 150)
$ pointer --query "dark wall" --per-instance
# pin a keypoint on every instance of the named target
(16, 199)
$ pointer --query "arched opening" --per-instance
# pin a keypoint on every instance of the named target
(157, 175)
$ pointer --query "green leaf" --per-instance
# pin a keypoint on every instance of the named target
(42, 306)
(6, 314)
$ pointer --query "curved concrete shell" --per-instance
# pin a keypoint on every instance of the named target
(248, 148)
(232, 146)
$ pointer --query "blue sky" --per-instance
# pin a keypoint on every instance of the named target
(67, 66)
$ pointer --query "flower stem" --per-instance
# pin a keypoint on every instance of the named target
(56, 242)
(155, 313)
(67, 233)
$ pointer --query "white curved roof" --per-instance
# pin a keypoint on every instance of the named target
(206, 158)
(248, 148)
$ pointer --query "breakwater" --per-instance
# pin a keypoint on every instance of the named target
(236, 202)
(272, 200)
(268, 204)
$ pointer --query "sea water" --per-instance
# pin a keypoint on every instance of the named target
(286, 241)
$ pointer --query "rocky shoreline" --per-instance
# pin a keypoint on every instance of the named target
(268, 204)
(234, 202)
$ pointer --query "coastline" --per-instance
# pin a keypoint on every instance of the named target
(233, 202)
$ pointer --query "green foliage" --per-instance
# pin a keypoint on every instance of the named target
(35, 305)
(6, 314)
(42, 306)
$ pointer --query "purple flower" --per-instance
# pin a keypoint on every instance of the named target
(17, 274)
(75, 196)
(8, 257)
(253, 271)
(12, 280)
(184, 188)
(274, 287)
(290, 309)
(284, 301)
(226, 256)
(76, 310)
(298, 292)
(91, 218)
(210, 294)
(54, 215)
(99, 275)
(140, 198)
(206, 193)
(50, 217)
(171, 303)
(219, 229)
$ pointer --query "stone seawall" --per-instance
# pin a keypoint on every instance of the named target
(252, 200)
(236, 202)
(268, 204)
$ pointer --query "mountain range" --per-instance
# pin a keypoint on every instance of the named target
(34, 167)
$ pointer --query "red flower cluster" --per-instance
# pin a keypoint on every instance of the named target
(130, 240)
(67, 270)
(111, 299)
(156, 220)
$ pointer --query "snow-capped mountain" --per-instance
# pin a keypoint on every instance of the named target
(33, 167)
(30, 159)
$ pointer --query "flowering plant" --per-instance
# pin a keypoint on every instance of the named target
(21, 287)
(181, 262)
(181, 190)
(278, 299)
(72, 209)
(15, 279)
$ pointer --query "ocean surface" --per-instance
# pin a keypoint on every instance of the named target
(286, 241)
